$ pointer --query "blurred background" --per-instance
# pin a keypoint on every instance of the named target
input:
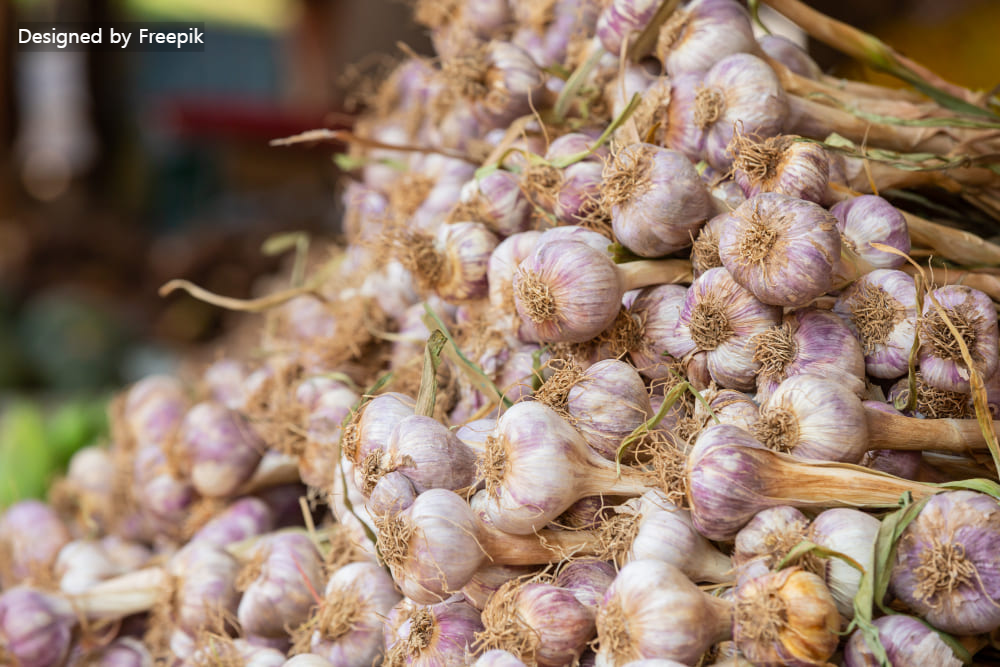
(122, 170)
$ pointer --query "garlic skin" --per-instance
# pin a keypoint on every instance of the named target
(907, 641)
(880, 308)
(870, 219)
(697, 36)
(579, 193)
(810, 417)
(81, 564)
(621, 19)
(35, 630)
(808, 341)
(769, 536)
(719, 317)
(431, 636)
(607, 403)
(31, 537)
(377, 421)
(497, 200)
(489, 578)
(245, 518)
(656, 309)
(567, 291)
(743, 89)
(588, 579)
(393, 493)
(786, 618)
(946, 568)
(206, 587)
(503, 263)
(783, 165)
(729, 407)
(465, 249)
(665, 532)
(782, 249)
(429, 454)
(705, 251)
(223, 449)
(790, 54)
(972, 313)
(653, 611)
(498, 658)
(348, 624)
(153, 409)
(657, 199)
(853, 534)
(277, 584)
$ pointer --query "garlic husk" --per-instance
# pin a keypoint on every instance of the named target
(697, 36)
(782, 249)
(781, 164)
(153, 409)
(808, 341)
(35, 629)
(810, 417)
(973, 314)
(853, 534)
(786, 618)
(31, 537)
(729, 407)
(465, 248)
(377, 421)
(393, 493)
(206, 585)
(946, 568)
(719, 317)
(656, 198)
(278, 584)
(907, 641)
(346, 628)
(789, 54)
(588, 579)
(666, 533)
(705, 251)
(677, 114)
(428, 453)
(537, 465)
(622, 19)
(578, 196)
(162, 496)
(429, 636)
(868, 219)
(222, 447)
(656, 309)
(743, 90)
(880, 308)
(769, 536)
(496, 200)
(606, 404)
(539, 622)
(503, 263)
(652, 610)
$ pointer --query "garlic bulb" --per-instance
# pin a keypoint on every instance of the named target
(769, 536)
(907, 641)
(870, 219)
(697, 36)
(502, 264)
(853, 534)
(973, 315)
(31, 537)
(220, 447)
(429, 454)
(206, 585)
(35, 629)
(656, 310)
(782, 249)
(781, 164)
(245, 518)
(427, 636)
(606, 404)
(622, 19)
(653, 611)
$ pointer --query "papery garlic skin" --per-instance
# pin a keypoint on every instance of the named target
(498, 658)
(868, 219)
(465, 248)
(769, 536)
(972, 312)
(946, 568)
(376, 423)
(35, 631)
(719, 317)
(656, 309)
(697, 36)
(781, 164)
(780, 248)
(222, 446)
(206, 585)
(789, 54)
(503, 263)
(429, 454)
(31, 536)
(652, 610)
(907, 641)
(607, 403)
(622, 18)
(431, 636)
(880, 308)
(853, 534)
(247, 517)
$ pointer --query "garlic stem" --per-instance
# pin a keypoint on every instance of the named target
(833, 484)
(986, 283)
(273, 471)
(545, 546)
(951, 243)
(655, 272)
(122, 596)
(888, 431)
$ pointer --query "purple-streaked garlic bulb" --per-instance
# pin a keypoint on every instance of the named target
(503, 263)
(245, 518)
(731, 477)
(221, 448)
(346, 628)
(781, 164)
(870, 219)
(946, 568)
(652, 610)
(881, 309)
(720, 318)
(606, 404)
(907, 641)
(496, 200)
(699, 35)
(622, 19)
(784, 250)
(393, 493)
(785, 618)
(808, 341)
(329, 407)
(428, 453)
(206, 585)
(537, 621)
(437, 634)
(489, 578)
(35, 630)
(588, 579)
(595, 240)
(498, 658)
(789, 54)
(453, 262)
(729, 407)
(224, 380)
(370, 434)
(664, 532)
(811, 417)
(162, 496)
(537, 465)
(973, 315)
(515, 381)
(768, 537)
(739, 89)
(656, 198)
(853, 534)
(499, 78)
(579, 193)
(545, 30)
(154, 408)
(705, 251)
(656, 310)
(31, 537)
(279, 583)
